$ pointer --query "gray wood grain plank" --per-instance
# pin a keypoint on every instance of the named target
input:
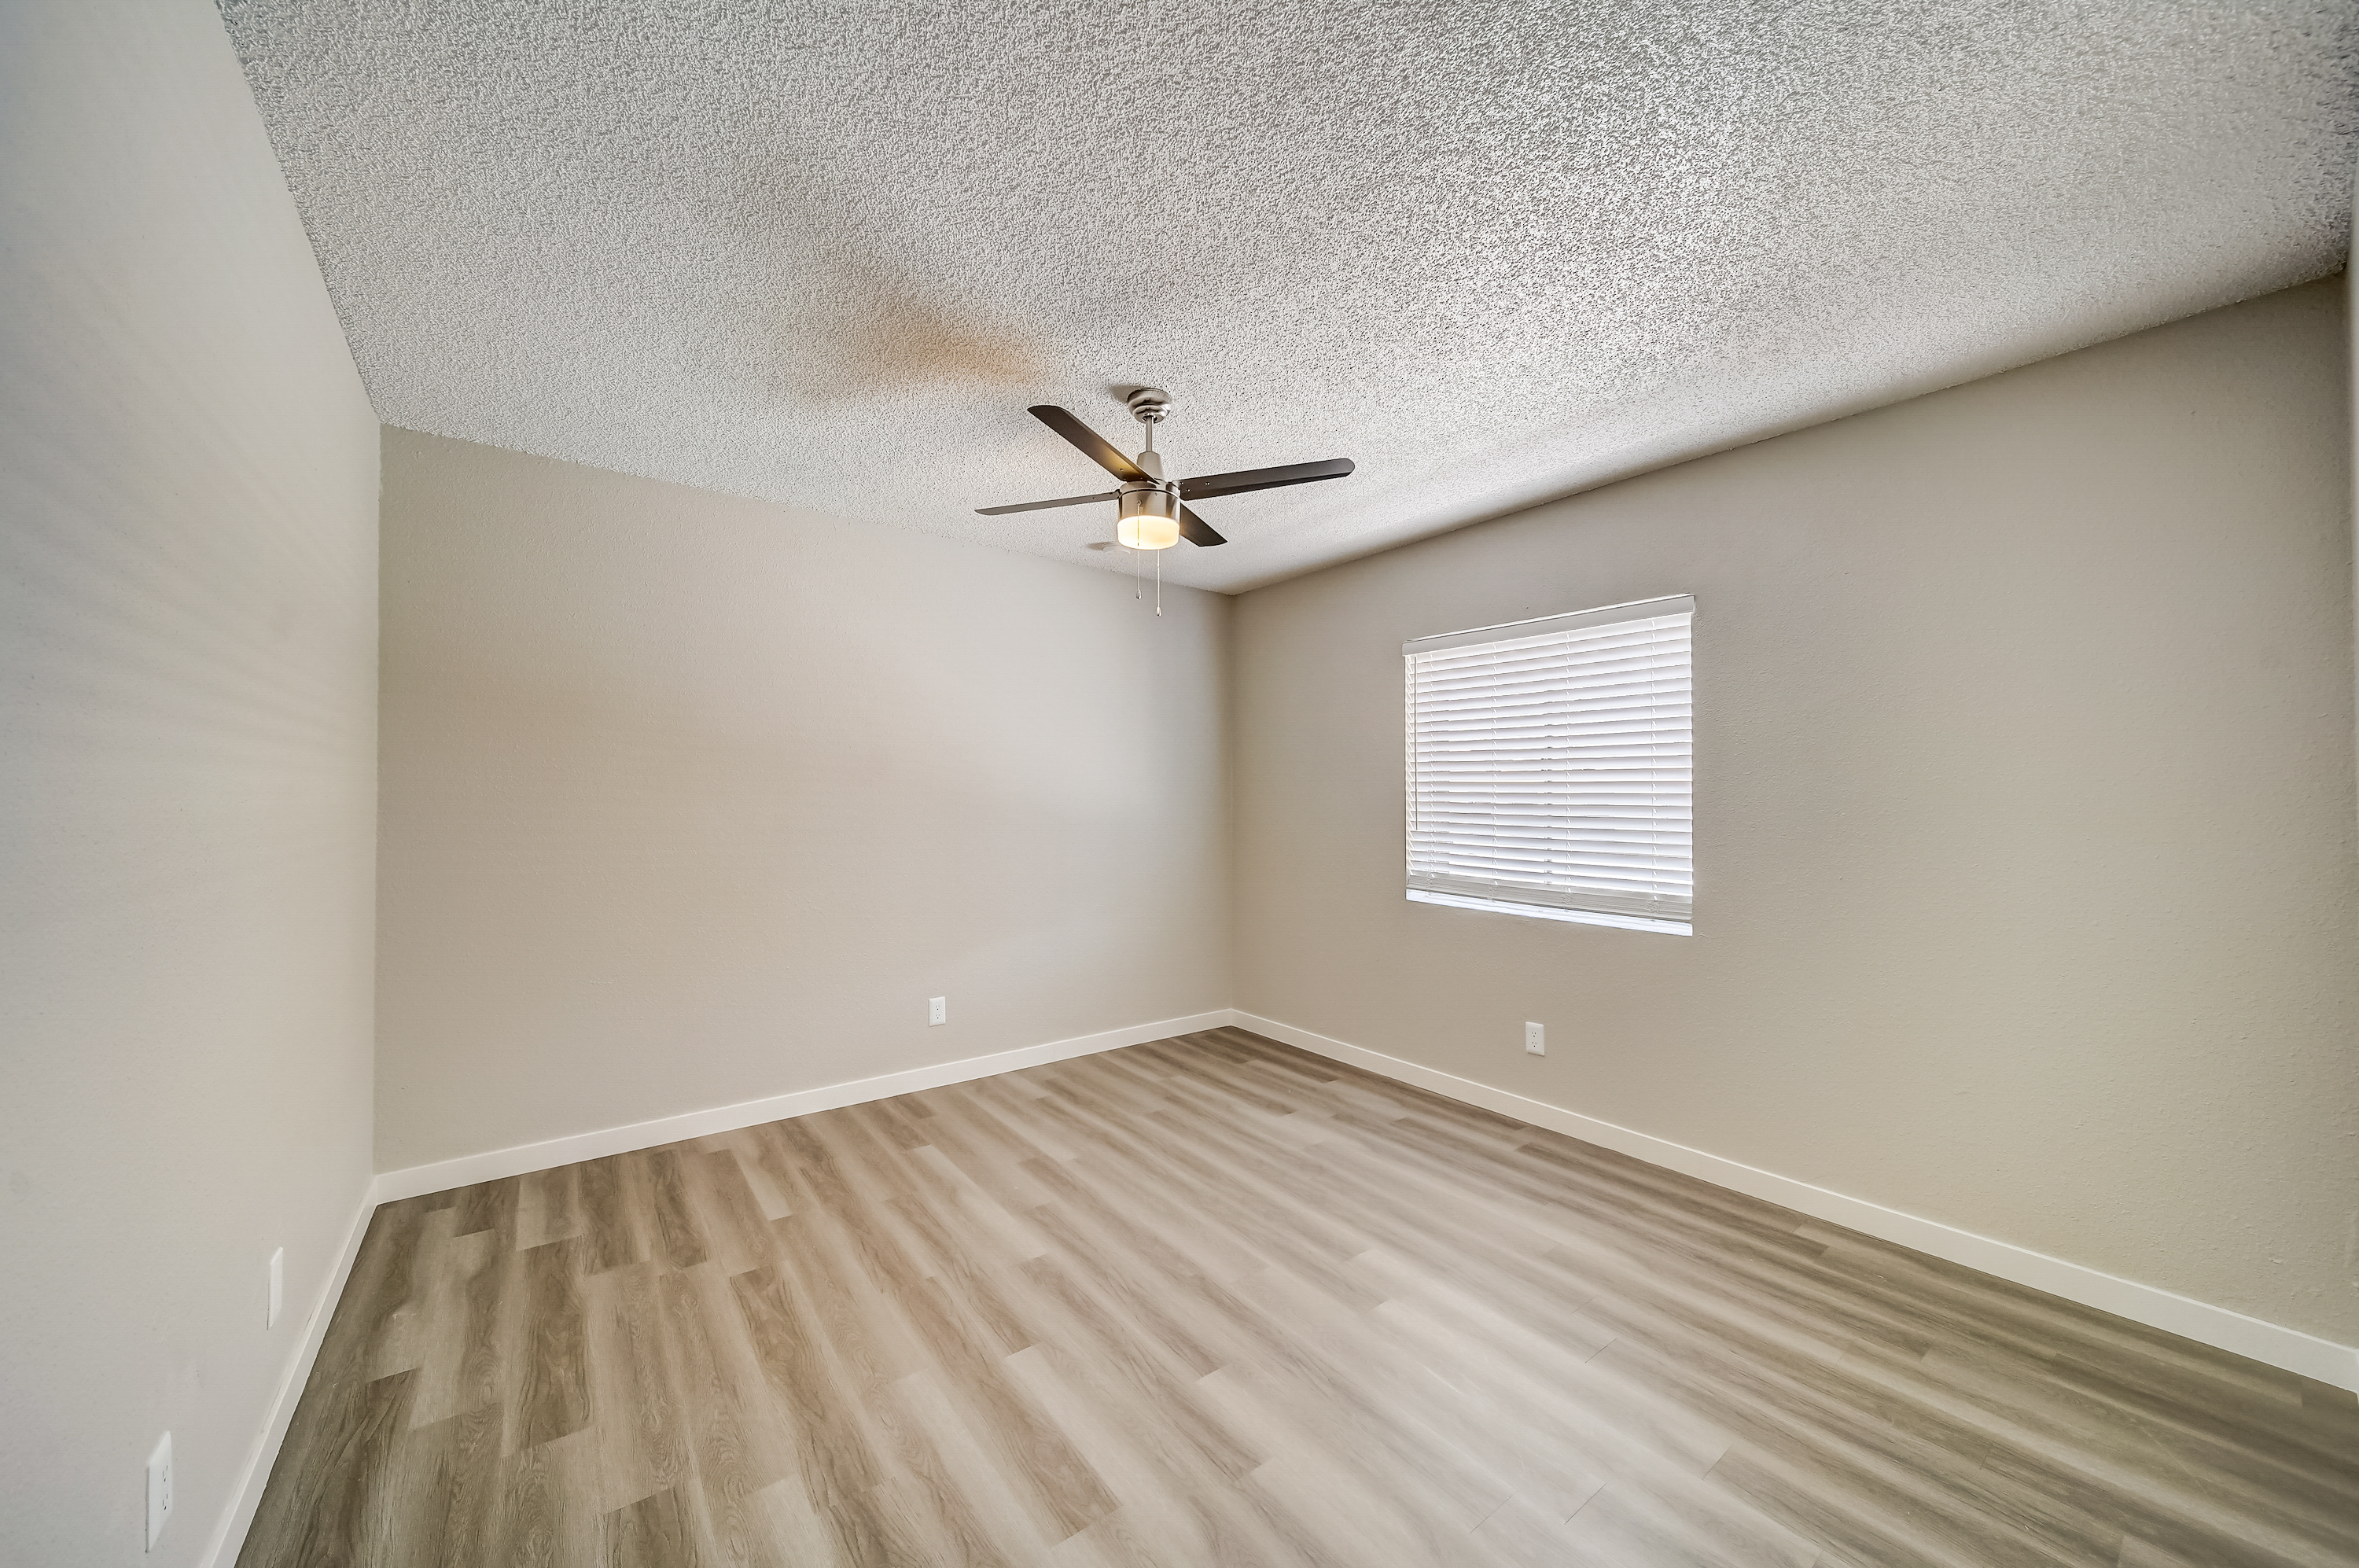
(1211, 1301)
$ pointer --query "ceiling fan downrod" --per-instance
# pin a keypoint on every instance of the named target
(1148, 518)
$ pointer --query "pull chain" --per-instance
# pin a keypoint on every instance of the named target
(1158, 554)
(1137, 585)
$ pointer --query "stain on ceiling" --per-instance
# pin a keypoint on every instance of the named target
(826, 252)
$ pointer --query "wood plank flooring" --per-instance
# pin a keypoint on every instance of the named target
(1213, 1300)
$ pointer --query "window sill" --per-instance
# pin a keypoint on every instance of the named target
(1552, 912)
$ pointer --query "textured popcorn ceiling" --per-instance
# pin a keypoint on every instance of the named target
(826, 252)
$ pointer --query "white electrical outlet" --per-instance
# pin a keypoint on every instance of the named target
(1536, 1039)
(938, 1009)
(277, 1287)
(159, 1489)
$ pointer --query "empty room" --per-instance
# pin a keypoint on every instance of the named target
(1152, 786)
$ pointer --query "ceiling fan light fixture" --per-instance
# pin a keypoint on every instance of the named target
(1152, 511)
(1149, 520)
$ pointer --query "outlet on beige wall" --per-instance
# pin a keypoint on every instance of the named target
(187, 776)
(2024, 811)
(690, 800)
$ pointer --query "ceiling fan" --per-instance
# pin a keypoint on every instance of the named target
(1152, 511)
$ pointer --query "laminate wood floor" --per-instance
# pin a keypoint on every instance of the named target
(1213, 1300)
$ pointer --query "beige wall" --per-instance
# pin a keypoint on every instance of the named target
(2024, 812)
(690, 800)
(188, 692)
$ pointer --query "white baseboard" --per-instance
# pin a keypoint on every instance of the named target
(468, 1169)
(229, 1535)
(2199, 1320)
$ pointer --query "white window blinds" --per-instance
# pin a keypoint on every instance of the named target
(1552, 765)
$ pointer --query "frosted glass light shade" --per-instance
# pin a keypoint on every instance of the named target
(1149, 520)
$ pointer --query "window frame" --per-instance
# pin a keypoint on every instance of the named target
(1584, 907)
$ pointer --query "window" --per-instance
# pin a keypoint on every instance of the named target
(1550, 767)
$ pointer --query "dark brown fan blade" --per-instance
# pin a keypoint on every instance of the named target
(1099, 449)
(1043, 506)
(1245, 479)
(1196, 531)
